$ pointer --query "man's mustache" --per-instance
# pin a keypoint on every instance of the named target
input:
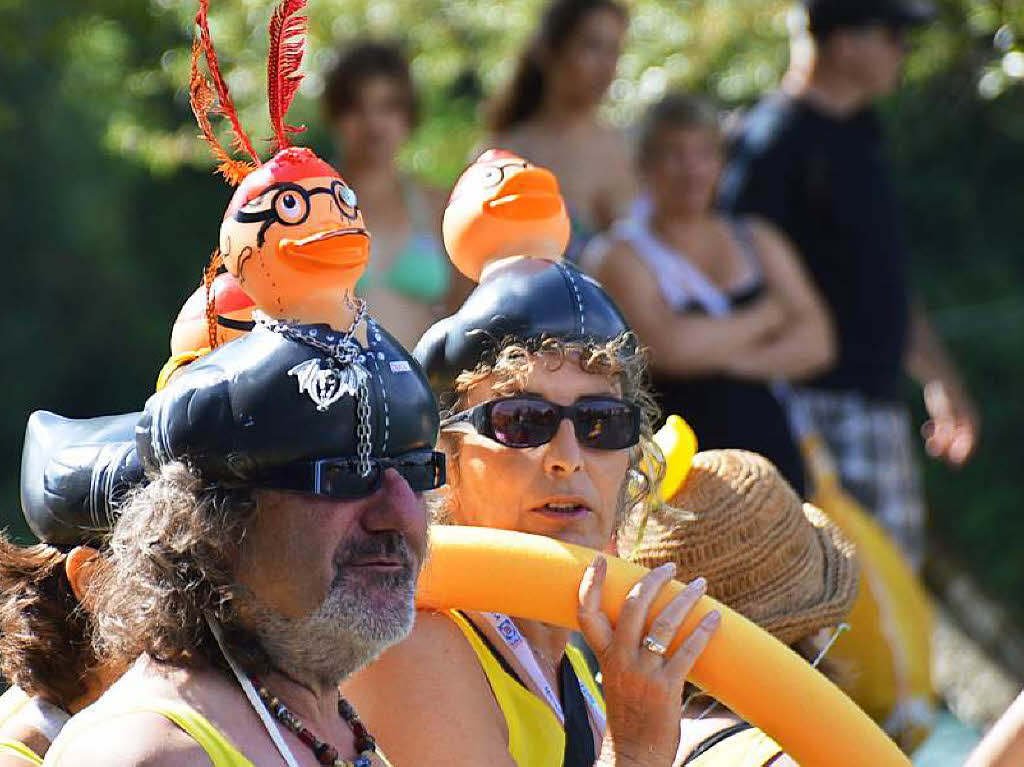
(387, 544)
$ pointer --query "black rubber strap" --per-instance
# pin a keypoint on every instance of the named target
(714, 740)
(505, 666)
(228, 322)
(579, 738)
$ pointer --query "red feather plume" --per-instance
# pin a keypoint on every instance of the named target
(287, 45)
(225, 105)
(202, 100)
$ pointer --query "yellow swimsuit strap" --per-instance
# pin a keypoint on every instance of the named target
(12, 747)
(217, 747)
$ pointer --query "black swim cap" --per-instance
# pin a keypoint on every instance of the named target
(243, 414)
(525, 301)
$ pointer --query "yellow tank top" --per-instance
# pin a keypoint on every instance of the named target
(535, 736)
(11, 747)
(749, 748)
(218, 748)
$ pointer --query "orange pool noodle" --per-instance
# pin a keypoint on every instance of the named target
(748, 670)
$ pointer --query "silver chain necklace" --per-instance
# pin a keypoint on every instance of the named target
(342, 376)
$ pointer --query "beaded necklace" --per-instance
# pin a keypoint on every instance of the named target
(325, 753)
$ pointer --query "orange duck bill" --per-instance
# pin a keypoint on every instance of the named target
(530, 194)
(346, 248)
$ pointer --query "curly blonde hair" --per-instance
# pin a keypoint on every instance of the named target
(622, 361)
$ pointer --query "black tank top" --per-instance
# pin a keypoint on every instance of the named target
(729, 412)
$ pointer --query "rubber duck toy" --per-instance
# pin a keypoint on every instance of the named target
(292, 242)
(504, 207)
(293, 235)
(506, 227)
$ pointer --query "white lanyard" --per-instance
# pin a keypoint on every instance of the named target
(44, 717)
(509, 633)
(250, 692)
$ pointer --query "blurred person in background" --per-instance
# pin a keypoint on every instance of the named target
(812, 160)
(548, 112)
(373, 107)
(723, 303)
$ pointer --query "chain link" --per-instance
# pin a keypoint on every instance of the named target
(341, 354)
(363, 428)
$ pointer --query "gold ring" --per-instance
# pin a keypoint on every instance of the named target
(654, 645)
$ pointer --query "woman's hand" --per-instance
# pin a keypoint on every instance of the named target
(643, 687)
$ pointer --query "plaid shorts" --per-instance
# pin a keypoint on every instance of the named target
(873, 446)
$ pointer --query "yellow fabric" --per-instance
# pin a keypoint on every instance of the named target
(889, 644)
(178, 361)
(535, 736)
(218, 748)
(11, 747)
(11, 702)
(749, 748)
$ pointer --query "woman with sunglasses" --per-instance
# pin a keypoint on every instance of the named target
(547, 421)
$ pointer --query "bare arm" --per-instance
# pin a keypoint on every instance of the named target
(133, 740)
(428, 702)
(952, 431)
(681, 344)
(805, 343)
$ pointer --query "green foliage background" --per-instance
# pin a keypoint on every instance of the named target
(108, 210)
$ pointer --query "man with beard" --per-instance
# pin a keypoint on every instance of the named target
(273, 551)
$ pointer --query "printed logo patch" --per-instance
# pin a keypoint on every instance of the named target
(509, 631)
(400, 366)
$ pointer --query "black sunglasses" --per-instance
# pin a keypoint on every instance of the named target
(290, 205)
(601, 423)
(341, 478)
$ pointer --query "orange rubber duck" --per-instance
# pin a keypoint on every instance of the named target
(292, 243)
(504, 207)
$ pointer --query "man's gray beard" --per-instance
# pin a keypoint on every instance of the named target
(344, 634)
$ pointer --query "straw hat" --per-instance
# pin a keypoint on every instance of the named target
(737, 522)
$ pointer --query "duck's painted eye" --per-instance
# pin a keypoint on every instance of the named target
(291, 207)
(345, 195)
(493, 176)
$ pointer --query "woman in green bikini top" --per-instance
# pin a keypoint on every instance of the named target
(372, 107)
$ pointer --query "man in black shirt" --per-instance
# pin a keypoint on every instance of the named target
(811, 159)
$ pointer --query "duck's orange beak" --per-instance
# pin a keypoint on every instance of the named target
(528, 195)
(345, 248)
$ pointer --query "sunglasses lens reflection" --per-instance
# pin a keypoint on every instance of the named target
(524, 422)
(605, 424)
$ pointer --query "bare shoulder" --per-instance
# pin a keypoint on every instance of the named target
(435, 679)
(620, 264)
(141, 739)
(435, 655)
